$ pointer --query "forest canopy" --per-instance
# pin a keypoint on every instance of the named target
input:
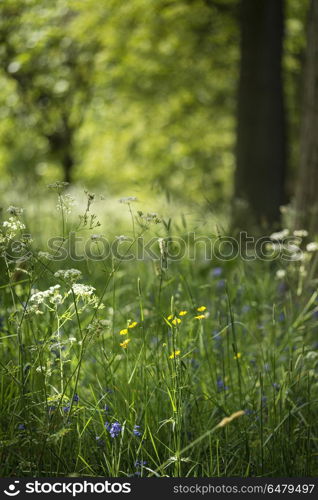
(137, 94)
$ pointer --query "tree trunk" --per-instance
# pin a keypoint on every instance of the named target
(261, 139)
(306, 199)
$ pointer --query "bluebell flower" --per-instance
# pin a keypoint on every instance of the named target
(220, 284)
(281, 317)
(276, 386)
(51, 408)
(248, 411)
(114, 429)
(220, 385)
(140, 463)
(76, 398)
(282, 287)
(216, 272)
(21, 427)
(108, 426)
(136, 431)
(106, 409)
(66, 408)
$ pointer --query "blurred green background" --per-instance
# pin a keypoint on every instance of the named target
(131, 98)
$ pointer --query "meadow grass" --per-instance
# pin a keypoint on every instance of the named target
(185, 368)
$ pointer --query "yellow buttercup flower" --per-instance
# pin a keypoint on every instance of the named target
(123, 332)
(200, 316)
(124, 344)
(170, 317)
(183, 313)
(201, 308)
(176, 321)
(174, 354)
(238, 355)
(133, 324)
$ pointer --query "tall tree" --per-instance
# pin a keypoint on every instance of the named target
(261, 157)
(306, 200)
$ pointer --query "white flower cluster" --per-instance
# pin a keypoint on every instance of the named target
(45, 255)
(16, 211)
(312, 247)
(128, 199)
(68, 274)
(12, 226)
(47, 297)
(83, 290)
(65, 204)
(280, 274)
(280, 235)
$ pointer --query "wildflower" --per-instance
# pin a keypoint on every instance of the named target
(76, 398)
(140, 463)
(58, 185)
(50, 294)
(83, 290)
(238, 355)
(133, 324)
(301, 233)
(276, 386)
(124, 331)
(170, 317)
(51, 409)
(280, 273)
(176, 321)
(106, 408)
(220, 284)
(279, 235)
(122, 237)
(68, 274)
(217, 271)
(15, 211)
(174, 354)
(248, 411)
(200, 316)
(312, 247)
(227, 420)
(128, 199)
(45, 255)
(66, 409)
(281, 316)
(114, 429)
(136, 431)
(201, 308)
(183, 313)
(124, 344)
(21, 427)
(13, 225)
(220, 385)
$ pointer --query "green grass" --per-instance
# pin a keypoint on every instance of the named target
(254, 350)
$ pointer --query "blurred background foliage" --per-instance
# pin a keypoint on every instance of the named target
(133, 97)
